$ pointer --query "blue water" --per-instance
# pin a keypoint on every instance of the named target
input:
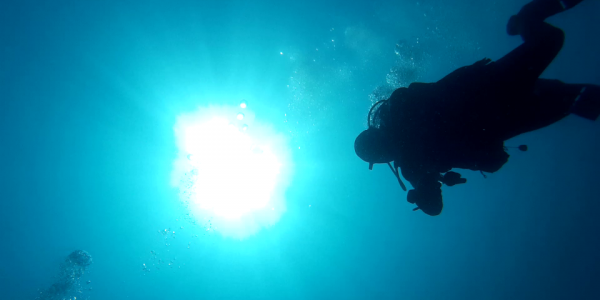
(90, 92)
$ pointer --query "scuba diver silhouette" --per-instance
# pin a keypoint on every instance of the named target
(462, 120)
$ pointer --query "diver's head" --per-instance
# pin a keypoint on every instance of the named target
(373, 146)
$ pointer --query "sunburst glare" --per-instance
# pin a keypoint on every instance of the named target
(231, 173)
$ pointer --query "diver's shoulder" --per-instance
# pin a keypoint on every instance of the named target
(415, 86)
(420, 85)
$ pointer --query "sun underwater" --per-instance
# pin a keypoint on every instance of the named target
(231, 170)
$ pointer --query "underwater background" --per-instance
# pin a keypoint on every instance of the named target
(90, 92)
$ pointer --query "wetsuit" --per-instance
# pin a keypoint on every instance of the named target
(462, 120)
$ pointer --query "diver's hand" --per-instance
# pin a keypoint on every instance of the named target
(428, 197)
(452, 178)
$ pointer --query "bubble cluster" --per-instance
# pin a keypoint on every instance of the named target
(411, 61)
(68, 284)
(156, 262)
